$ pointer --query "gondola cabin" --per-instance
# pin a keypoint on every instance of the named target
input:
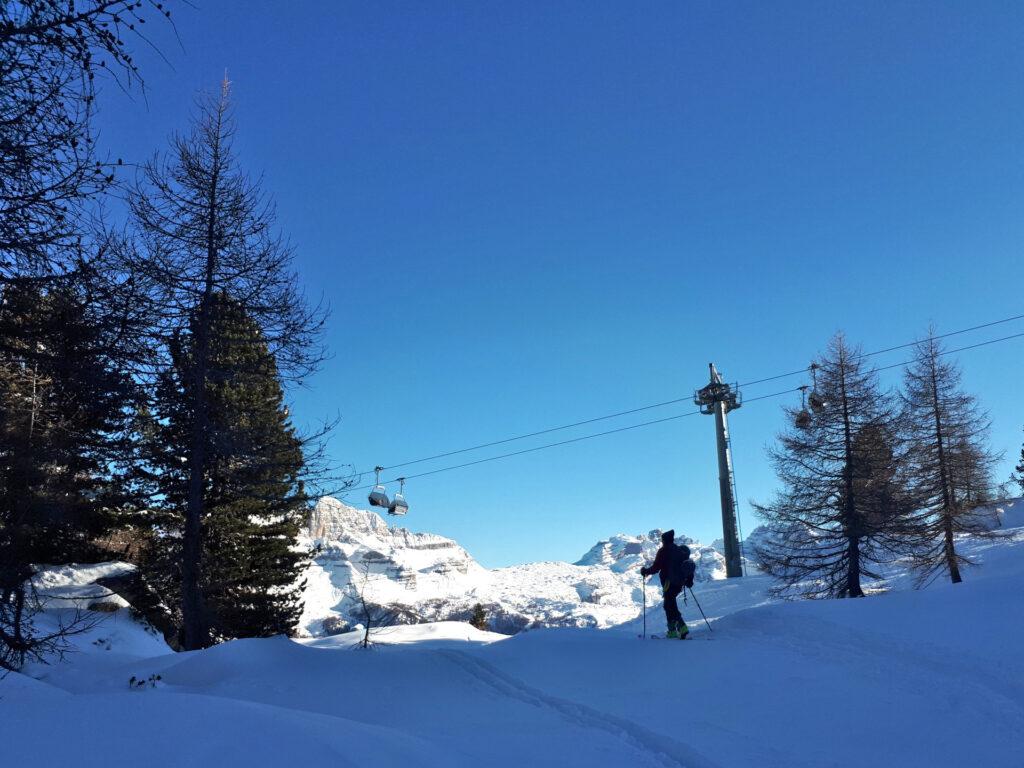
(398, 505)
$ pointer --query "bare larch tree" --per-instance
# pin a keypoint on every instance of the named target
(51, 52)
(842, 508)
(951, 463)
(372, 615)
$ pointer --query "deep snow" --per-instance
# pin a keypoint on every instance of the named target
(908, 678)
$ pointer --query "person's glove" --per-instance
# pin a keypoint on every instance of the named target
(643, 570)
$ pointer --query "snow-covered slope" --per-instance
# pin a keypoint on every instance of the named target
(1004, 514)
(430, 578)
(929, 679)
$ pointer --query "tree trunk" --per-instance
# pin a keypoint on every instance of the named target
(195, 632)
(193, 629)
(17, 625)
(853, 588)
(954, 568)
(947, 501)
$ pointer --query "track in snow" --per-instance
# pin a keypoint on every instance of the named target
(663, 749)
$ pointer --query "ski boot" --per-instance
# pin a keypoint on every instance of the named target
(672, 633)
(682, 631)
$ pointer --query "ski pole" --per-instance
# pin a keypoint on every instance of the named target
(643, 588)
(701, 610)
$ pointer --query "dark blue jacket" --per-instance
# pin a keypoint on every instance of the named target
(672, 563)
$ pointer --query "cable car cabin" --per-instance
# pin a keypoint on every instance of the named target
(803, 419)
(379, 497)
(398, 505)
(816, 401)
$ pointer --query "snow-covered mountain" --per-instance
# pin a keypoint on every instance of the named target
(424, 577)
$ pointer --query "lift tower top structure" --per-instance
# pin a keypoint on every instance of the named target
(718, 398)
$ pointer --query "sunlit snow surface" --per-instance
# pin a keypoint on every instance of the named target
(908, 678)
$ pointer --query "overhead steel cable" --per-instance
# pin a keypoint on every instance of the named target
(630, 427)
(888, 349)
(536, 448)
(677, 400)
(958, 349)
(559, 443)
(540, 432)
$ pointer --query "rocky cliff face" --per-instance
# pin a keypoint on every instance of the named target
(424, 577)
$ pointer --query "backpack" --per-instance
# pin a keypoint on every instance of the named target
(681, 567)
(689, 569)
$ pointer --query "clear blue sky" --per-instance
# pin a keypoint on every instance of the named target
(525, 214)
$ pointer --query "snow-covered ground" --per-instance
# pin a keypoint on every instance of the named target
(908, 678)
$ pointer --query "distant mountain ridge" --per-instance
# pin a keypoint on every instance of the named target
(426, 577)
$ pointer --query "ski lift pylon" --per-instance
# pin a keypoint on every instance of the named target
(379, 494)
(398, 504)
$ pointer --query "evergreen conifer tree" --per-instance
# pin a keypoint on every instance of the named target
(67, 412)
(254, 497)
(1020, 470)
(479, 617)
(951, 464)
(64, 397)
(842, 508)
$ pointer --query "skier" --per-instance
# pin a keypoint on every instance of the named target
(676, 569)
